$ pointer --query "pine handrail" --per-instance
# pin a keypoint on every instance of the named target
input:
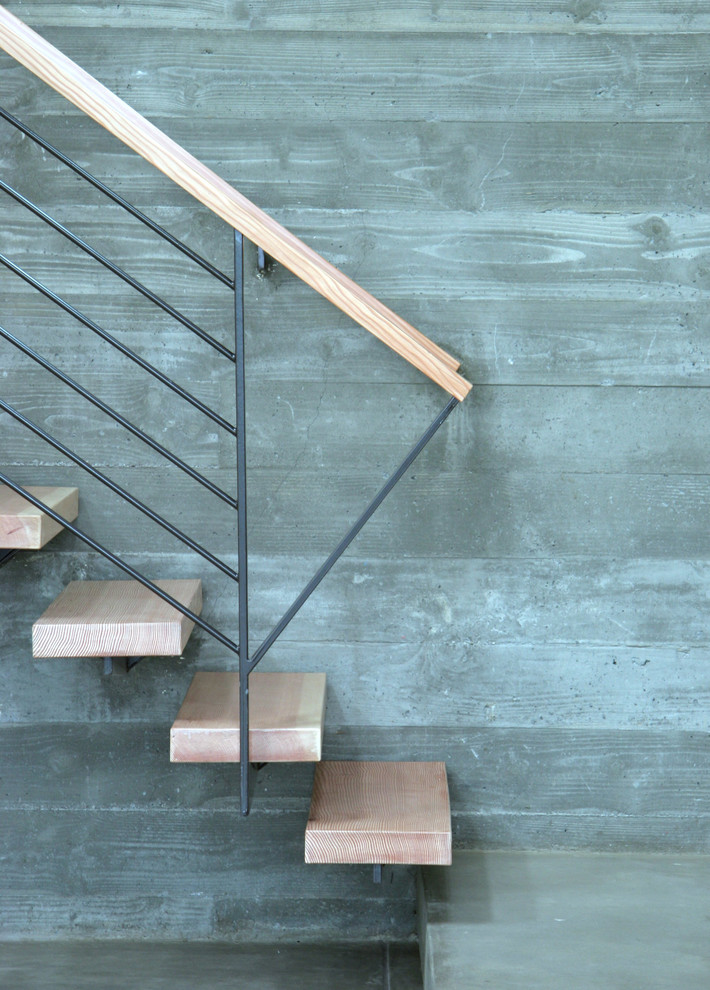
(93, 98)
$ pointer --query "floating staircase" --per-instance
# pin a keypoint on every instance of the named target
(116, 619)
(361, 812)
(372, 812)
(25, 527)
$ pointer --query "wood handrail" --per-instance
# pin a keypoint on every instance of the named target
(99, 103)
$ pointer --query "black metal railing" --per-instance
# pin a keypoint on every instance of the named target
(119, 200)
(247, 661)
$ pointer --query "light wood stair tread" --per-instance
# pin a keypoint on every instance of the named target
(378, 812)
(25, 527)
(286, 717)
(116, 619)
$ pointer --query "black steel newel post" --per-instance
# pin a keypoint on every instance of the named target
(242, 522)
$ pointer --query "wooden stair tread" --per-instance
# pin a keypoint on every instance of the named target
(286, 717)
(116, 619)
(379, 812)
(25, 527)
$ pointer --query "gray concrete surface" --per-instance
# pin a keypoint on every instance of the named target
(165, 966)
(557, 921)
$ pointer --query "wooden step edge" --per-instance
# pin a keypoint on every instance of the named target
(116, 619)
(25, 527)
(379, 812)
(286, 718)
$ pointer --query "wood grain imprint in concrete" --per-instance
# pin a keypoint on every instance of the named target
(286, 717)
(377, 812)
(25, 527)
(116, 619)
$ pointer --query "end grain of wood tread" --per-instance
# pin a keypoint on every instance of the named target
(99, 103)
(286, 716)
(116, 619)
(25, 527)
(379, 812)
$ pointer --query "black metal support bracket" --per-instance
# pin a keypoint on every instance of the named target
(6, 556)
(130, 664)
(264, 263)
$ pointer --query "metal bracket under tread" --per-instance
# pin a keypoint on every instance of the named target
(6, 557)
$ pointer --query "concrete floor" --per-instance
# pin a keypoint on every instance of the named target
(206, 966)
(558, 921)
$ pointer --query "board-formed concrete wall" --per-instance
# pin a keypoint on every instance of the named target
(532, 604)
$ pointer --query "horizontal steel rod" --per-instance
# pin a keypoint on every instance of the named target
(131, 571)
(118, 490)
(118, 418)
(351, 534)
(126, 351)
(117, 270)
(119, 200)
